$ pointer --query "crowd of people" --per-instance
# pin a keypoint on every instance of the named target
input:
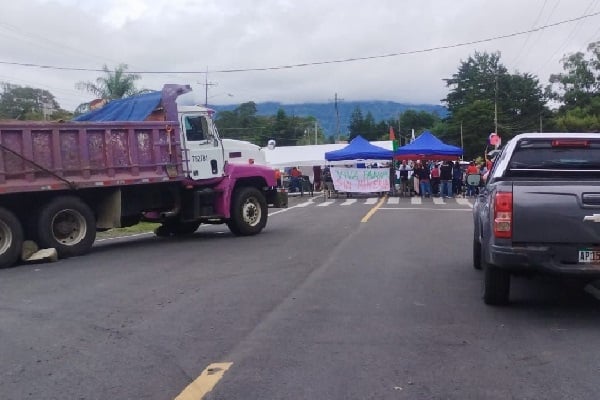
(424, 178)
(438, 178)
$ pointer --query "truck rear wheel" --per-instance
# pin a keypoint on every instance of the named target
(248, 212)
(67, 224)
(496, 285)
(11, 238)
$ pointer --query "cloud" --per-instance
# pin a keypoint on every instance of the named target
(186, 35)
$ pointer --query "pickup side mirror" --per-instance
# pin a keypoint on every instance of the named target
(473, 179)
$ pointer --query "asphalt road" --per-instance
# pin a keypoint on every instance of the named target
(318, 306)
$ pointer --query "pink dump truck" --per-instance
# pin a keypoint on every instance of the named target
(61, 182)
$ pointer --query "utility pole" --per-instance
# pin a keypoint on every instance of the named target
(315, 131)
(541, 128)
(399, 132)
(496, 105)
(337, 117)
(461, 138)
(206, 85)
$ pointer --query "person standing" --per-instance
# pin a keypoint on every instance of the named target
(295, 183)
(415, 176)
(457, 179)
(327, 179)
(446, 178)
(435, 179)
(472, 170)
(404, 178)
(317, 177)
(424, 181)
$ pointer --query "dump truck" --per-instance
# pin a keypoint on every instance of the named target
(138, 159)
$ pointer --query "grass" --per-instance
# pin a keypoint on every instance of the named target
(142, 227)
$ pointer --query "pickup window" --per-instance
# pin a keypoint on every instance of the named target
(559, 157)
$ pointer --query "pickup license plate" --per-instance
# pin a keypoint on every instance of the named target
(589, 256)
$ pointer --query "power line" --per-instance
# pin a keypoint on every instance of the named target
(590, 6)
(308, 64)
(529, 34)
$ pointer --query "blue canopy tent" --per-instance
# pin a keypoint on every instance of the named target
(359, 149)
(428, 146)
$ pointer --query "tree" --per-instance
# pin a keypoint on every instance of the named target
(25, 103)
(577, 90)
(417, 120)
(113, 85)
(483, 90)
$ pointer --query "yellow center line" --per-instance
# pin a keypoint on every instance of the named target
(205, 382)
(372, 210)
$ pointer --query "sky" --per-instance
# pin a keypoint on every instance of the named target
(382, 39)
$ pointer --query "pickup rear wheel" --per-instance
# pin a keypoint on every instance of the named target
(476, 252)
(496, 285)
(11, 238)
(248, 212)
(67, 224)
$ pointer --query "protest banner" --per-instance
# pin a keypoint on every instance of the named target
(361, 180)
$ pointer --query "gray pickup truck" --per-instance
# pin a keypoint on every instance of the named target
(539, 212)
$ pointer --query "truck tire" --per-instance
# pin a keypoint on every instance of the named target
(67, 224)
(248, 212)
(476, 252)
(11, 238)
(496, 285)
(176, 228)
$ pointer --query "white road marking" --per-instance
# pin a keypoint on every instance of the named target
(371, 200)
(394, 200)
(464, 202)
(325, 204)
(438, 200)
(415, 200)
(348, 202)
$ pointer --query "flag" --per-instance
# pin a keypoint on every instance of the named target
(393, 139)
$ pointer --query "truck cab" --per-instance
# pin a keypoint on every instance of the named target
(204, 152)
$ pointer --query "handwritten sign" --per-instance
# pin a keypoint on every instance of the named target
(361, 180)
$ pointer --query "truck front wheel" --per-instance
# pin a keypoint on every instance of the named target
(67, 224)
(248, 212)
(11, 238)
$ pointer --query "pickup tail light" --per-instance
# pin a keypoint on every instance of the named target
(503, 212)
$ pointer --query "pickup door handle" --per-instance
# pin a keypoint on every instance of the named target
(591, 199)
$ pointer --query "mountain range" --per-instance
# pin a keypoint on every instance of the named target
(326, 115)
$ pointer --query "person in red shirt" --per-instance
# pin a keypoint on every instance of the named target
(471, 170)
(295, 183)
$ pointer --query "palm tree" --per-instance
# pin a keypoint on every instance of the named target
(113, 85)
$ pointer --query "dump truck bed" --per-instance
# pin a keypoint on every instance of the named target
(41, 156)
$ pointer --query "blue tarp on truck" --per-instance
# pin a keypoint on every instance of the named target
(134, 108)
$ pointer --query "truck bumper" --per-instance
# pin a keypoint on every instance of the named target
(541, 259)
